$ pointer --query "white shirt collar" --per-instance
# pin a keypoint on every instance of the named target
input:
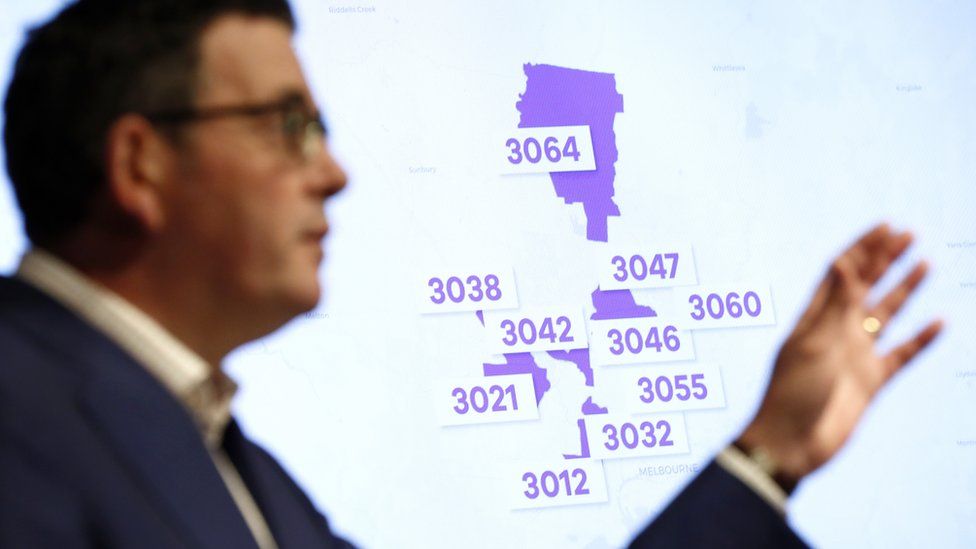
(205, 391)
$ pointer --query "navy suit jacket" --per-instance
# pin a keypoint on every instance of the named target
(718, 510)
(94, 452)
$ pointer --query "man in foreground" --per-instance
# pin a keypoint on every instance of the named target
(170, 165)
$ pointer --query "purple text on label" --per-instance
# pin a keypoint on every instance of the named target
(472, 288)
(717, 306)
(639, 269)
(664, 388)
(478, 399)
(629, 436)
(551, 484)
(635, 342)
(526, 332)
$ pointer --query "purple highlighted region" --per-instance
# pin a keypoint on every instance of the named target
(559, 96)
(518, 363)
(589, 408)
(613, 304)
(580, 357)
(609, 304)
(521, 363)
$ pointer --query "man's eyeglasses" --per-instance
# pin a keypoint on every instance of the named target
(300, 128)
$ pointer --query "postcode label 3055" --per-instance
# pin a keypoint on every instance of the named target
(674, 388)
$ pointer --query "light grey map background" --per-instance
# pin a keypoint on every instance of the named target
(767, 135)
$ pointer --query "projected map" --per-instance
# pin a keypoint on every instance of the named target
(579, 107)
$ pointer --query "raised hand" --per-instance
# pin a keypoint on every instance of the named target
(829, 368)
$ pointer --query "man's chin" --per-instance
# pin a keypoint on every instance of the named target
(308, 297)
(295, 294)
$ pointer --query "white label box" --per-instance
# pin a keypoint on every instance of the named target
(673, 388)
(724, 306)
(546, 150)
(638, 341)
(653, 266)
(449, 290)
(527, 330)
(616, 436)
(489, 399)
(531, 485)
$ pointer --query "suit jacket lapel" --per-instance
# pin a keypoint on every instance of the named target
(156, 438)
(151, 433)
(291, 518)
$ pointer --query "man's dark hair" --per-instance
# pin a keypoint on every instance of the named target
(78, 73)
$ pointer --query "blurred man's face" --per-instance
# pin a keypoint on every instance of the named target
(246, 203)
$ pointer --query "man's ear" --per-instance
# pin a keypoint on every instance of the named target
(137, 159)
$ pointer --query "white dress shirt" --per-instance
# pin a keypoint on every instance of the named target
(752, 475)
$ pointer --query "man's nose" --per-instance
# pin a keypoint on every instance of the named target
(328, 177)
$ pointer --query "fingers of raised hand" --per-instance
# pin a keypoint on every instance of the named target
(847, 271)
(886, 254)
(901, 355)
(874, 252)
(863, 264)
(839, 285)
(891, 303)
(862, 252)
